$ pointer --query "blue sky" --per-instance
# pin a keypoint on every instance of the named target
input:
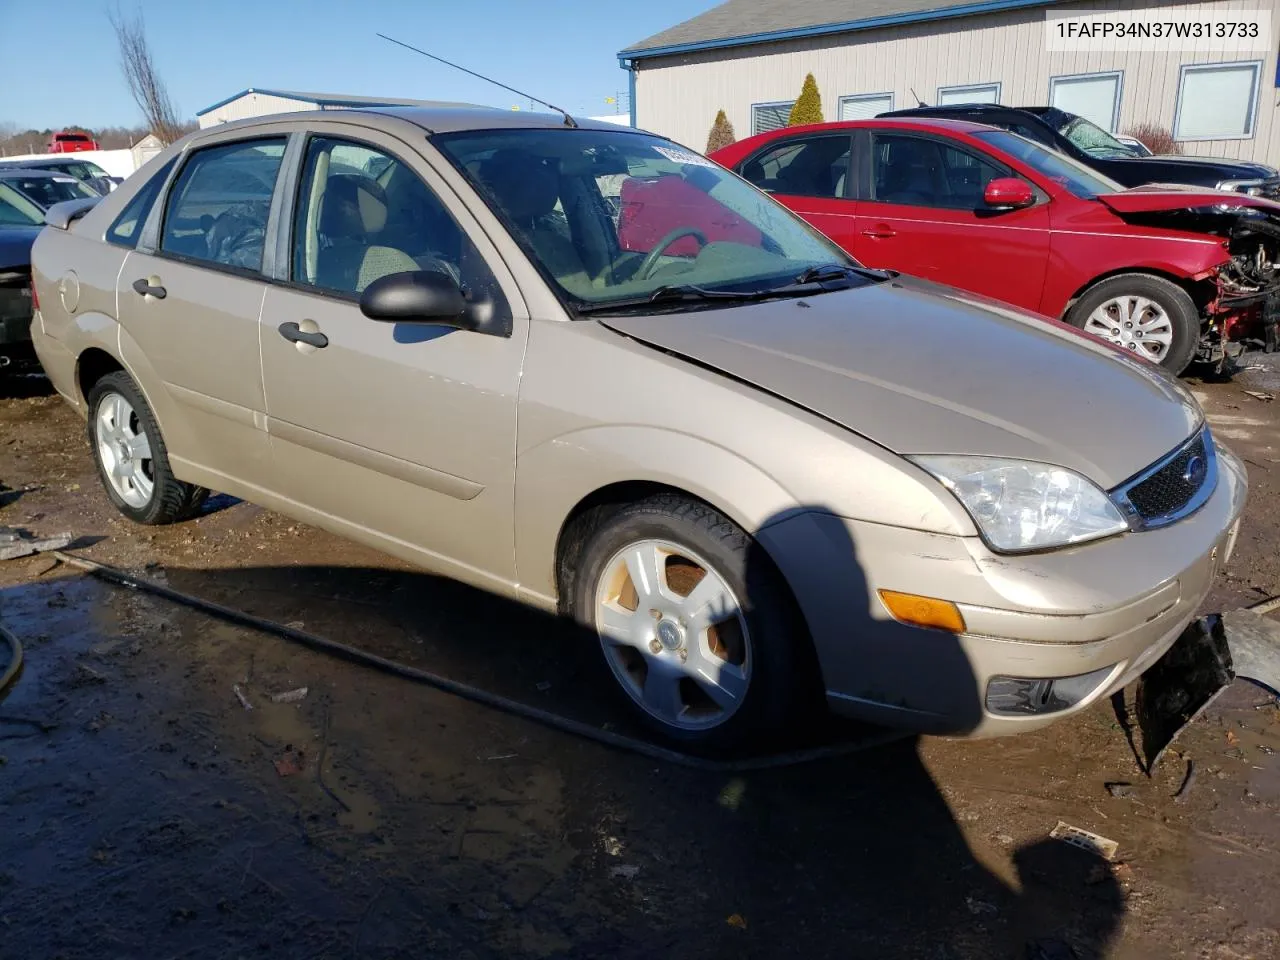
(560, 50)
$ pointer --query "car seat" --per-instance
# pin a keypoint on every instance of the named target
(353, 212)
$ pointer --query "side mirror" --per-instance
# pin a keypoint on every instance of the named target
(417, 296)
(1008, 193)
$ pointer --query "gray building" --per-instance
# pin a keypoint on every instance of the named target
(255, 102)
(749, 58)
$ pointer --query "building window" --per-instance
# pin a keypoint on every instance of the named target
(864, 106)
(969, 93)
(1217, 101)
(770, 116)
(1094, 96)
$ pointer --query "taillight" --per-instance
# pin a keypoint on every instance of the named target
(35, 297)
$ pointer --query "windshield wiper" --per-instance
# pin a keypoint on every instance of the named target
(675, 293)
(823, 272)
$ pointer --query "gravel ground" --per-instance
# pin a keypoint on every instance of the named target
(152, 815)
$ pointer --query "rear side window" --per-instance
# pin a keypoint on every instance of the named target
(812, 167)
(128, 226)
(218, 207)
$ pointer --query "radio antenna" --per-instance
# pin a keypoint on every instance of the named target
(568, 120)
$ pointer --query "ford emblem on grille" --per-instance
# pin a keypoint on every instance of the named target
(1193, 476)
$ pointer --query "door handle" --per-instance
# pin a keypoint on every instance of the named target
(880, 233)
(142, 287)
(295, 334)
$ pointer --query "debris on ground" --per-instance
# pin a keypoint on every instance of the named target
(737, 921)
(1264, 397)
(1187, 782)
(1085, 840)
(1119, 788)
(1232, 739)
(291, 762)
(625, 871)
(1120, 872)
(244, 701)
(18, 542)
(289, 696)
(979, 907)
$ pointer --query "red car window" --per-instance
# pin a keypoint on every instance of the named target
(653, 207)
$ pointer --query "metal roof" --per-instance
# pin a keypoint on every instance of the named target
(739, 23)
(332, 99)
(433, 119)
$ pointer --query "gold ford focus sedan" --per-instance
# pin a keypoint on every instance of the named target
(587, 368)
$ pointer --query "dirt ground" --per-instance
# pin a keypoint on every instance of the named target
(146, 813)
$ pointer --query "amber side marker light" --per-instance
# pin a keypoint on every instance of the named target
(923, 611)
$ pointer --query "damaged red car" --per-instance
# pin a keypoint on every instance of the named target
(1173, 274)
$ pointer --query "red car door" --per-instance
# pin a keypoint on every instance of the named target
(810, 174)
(922, 213)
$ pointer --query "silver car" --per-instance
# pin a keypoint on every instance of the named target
(589, 369)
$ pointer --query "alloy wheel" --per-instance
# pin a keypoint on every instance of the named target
(124, 451)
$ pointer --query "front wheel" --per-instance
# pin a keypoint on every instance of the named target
(133, 463)
(1148, 316)
(694, 625)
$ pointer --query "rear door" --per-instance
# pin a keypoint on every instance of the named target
(810, 174)
(923, 214)
(189, 297)
(402, 430)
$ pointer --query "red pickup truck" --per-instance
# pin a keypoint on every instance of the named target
(70, 141)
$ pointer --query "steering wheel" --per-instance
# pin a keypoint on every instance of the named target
(651, 258)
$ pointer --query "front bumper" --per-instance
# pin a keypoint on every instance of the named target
(1111, 607)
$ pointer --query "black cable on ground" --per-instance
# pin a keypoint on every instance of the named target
(475, 694)
(15, 660)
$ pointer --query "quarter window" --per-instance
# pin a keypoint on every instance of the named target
(813, 167)
(1217, 102)
(362, 214)
(918, 172)
(128, 226)
(218, 207)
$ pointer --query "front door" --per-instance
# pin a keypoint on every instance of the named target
(189, 296)
(925, 216)
(402, 431)
(811, 175)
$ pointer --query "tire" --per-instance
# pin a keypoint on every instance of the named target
(133, 463)
(1106, 308)
(754, 650)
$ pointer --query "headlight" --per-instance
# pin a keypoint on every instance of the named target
(1019, 505)
(1240, 186)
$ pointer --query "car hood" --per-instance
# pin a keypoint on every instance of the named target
(1172, 196)
(919, 368)
(15, 246)
(1215, 168)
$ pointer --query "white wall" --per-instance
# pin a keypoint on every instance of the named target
(678, 96)
(117, 163)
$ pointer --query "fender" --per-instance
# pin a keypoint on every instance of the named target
(558, 474)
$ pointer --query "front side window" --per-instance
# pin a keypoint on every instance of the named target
(15, 209)
(1217, 102)
(47, 190)
(678, 218)
(1082, 181)
(812, 167)
(362, 214)
(918, 172)
(218, 207)
(128, 225)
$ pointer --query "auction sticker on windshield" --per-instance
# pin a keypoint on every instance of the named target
(684, 156)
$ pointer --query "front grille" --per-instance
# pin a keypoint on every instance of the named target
(1174, 487)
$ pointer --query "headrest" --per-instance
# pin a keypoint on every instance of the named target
(524, 185)
(352, 206)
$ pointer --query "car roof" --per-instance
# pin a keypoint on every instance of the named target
(26, 173)
(440, 119)
(41, 163)
(931, 124)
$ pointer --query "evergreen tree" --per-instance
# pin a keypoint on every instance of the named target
(808, 109)
(721, 134)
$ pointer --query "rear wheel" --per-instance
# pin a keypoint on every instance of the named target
(1148, 316)
(694, 625)
(131, 456)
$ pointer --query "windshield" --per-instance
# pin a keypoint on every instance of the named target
(47, 191)
(1093, 140)
(1076, 177)
(17, 209)
(615, 216)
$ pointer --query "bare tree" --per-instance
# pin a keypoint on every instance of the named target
(148, 90)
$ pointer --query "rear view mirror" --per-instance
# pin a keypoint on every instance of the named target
(417, 296)
(1008, 193)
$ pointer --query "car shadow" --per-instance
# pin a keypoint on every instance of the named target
(24, 385)
(860, 851)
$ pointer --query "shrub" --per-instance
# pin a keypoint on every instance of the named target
(721, 134)
(1158, 139)
(808, 109)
